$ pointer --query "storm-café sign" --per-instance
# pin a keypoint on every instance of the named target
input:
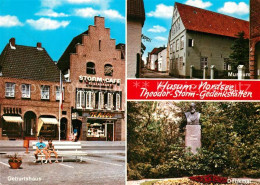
(91, 80)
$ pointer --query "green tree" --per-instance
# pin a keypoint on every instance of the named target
(240, 52)
(230, 140)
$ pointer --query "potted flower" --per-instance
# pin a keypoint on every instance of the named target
(15, 161)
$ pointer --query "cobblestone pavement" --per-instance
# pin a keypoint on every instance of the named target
(152, 74)
(98, 168)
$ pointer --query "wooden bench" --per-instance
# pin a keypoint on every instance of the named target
(63, 149)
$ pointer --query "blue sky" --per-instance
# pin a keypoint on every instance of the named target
(55, 22)
(159, 15)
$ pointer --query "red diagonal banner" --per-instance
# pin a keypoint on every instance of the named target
(148, 89)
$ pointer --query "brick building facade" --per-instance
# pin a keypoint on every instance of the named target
(95, 67)
(254, 39)
(29, 96)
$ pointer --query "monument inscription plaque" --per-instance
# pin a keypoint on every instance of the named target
(193, 137)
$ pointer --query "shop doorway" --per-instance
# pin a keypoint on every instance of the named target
(47, 127)
(63, 128)
(110, 131)
(29, 123)
(77, 126)
(156, 66)
(100, 130)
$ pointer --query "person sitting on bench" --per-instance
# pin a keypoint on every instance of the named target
(50, 148)
(40, 148)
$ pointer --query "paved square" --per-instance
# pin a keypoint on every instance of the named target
(95, 169)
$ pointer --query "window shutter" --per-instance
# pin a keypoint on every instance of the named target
(108, 101)
(82, 99)
(93, 100)
(88, 99)
(99, 100)
(111, 101)
(117, 101)
(77, 99)
(102, 100)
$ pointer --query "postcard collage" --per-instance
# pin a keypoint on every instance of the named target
(130, 92)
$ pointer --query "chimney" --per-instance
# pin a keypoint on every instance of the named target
(12, 43)
(39, 46)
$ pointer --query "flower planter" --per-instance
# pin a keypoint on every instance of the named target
(15, 165)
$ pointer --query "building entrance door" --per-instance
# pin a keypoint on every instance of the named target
(110, 132)
(63, 128)
(77, 126)
(156, 65)
(29, 123)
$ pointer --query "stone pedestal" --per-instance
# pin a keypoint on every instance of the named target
(241, 72)
(193, 137)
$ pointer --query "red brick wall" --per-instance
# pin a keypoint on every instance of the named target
(34, 104)
(89, 52)
(255, 18)
(254, 34)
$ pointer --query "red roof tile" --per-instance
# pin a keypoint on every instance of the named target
(154, 51)
(205, 21)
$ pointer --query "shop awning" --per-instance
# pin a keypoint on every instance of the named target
(13, 119)
(96, 125)
(49, 121)
(42, 121)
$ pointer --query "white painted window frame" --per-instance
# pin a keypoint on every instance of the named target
(80, 99)
(26, 90)
(9, 89)
(118, 101)
(45, 92)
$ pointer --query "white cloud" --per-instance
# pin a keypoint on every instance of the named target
(161, 38)
(47, 24)
(83, 1)
(86, 12)
(198, 3)
(9, 21)
(157, 29)
(234, 8)
(50, 13)
(112, 14)
(51, 3)
(90, 12)
(104, 4)
(161, 11)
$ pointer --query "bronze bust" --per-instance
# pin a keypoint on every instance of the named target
(192, 116)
